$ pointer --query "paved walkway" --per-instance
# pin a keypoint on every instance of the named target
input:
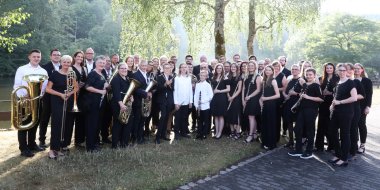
(277, 170)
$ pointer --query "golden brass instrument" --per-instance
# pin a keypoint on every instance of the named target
(124, 115)
(27, 106)
(72, 85)
(147, 102)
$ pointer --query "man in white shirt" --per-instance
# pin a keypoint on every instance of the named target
(53, 65)
(202, 98)
(33, 67)
(89, 62)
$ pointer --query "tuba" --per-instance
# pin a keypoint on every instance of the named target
(124, 116)
(147, 103)
(28, 106)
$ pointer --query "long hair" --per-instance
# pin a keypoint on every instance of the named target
(325, 76)
(214, 77)
(363, 74)
(133, 63)
(179, 70)
(236, 72)
(255, 64)
(243, 74)
(303, 67)
(75, 54)
(267, 81)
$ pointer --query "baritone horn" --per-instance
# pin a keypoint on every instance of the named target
(147, 102)
(27, 106)
(124, 115)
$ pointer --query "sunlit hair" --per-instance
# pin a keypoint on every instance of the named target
(349, 66)
(303, 67)
(216, 74)
(75, 54)
(277, 64)
(66, 58)
(340, 65)
(311, 70)
(364, 73)
(267, 80)
(255, 65)
(187, 70)
(325, 75)
(243, 74)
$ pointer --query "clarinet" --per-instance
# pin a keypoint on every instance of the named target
(199, 104)
(333, 106)
(249, 86)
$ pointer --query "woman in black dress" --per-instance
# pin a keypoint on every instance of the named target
(281, 82)
(307, 113)
(365, 104)
(328, 82)
(96, 86)
(57, 87)
(244, 118)
(130, 64)
(291, 95)
(342, 113)
(234, 103)
(270, 94)
(120, 84)
(250, 98)
(219, 101)
(357, 111)
(79, 118)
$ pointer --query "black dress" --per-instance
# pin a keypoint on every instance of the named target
(219, 101)
(234, 112)
(367, 101)
(79, 118)
(268, 122)
(60, 85)
(253, 106)
(289, 116)
(355, 120)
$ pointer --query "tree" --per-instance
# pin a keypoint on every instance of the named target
(8, 19)
(339, 38)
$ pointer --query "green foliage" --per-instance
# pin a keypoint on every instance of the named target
(8, 19)
(339, 38)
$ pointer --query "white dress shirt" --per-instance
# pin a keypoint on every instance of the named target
(183, 90)
(89, 66)
(27, 70)
(56, 66)
(206, 95)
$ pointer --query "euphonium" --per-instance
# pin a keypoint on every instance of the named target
(72, 85)
(27, 106)
(147, 102)
(124, 115)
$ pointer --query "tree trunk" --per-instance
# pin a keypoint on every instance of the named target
(220, 48)
(251, 27)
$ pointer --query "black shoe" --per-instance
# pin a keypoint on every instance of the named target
(107, 141)
(177, 137)
(295, 153)
(36, 148)
(43, 144)
(157, 141)
(351, 157)
(142, 141)
(27, 153)
(332, 161)
(306, 155)
(198, 136)
(165, 139)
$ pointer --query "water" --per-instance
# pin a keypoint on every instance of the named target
(6, 87)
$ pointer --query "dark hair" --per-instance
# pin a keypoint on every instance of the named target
(115, 54)
(230, 75)
(311, 70)
(34, 51)
(188, 56)
(215, 73)
(252, 56)
(325, 75)
(53, 50)
(75, 54)
(268, 81)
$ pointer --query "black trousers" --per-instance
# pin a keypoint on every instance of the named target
(138, 123)
(363, 127)
(181, 120)
(305, 121)
(194, 117)
(278, 119)
(354, 131)
(105, 119)
(322, 131)
(120, 132)
(204, 122)
(154, 116)
(27, 138)
(165, 109)
(92, 127)
(341, 141)
(57, 129)
(45, 116)
(80, 128)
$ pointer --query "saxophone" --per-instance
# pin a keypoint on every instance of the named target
(124, 115)
(147, 102)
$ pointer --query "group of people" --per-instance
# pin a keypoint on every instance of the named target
(254, 99)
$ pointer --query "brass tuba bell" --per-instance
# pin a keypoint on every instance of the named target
(124, 115)
(29, 105)
(147, 103)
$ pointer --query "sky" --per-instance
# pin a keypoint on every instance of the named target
(355, 7)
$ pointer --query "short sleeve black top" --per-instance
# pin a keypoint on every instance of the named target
(249, 85)
(343, 91)
(360, 90)
(296, 86)
(313, 90)
(97, 81)
(59, 81)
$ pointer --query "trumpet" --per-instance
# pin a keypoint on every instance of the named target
(27, 106)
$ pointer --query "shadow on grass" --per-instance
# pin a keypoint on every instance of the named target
(146, 166)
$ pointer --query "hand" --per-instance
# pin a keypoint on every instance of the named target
(247, 98)
(168, 82)
(366, 110)
(190, 105)
(326, 92)
(263, 99)
(63, 96)
(292, 93)
(81, 84)
(305, 96)
(106, 85)
(131, 99)
(230, 99)
(261, 103)
(122, 107)
(103, 92)
(176, 107)
(149, 95)
(286, 97)
(331, 108)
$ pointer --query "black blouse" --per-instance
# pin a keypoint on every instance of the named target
(119, 88)
(249, 85)
(96, 81)
(343, 91)
(59, 81)
(312, 90)
(368, 90)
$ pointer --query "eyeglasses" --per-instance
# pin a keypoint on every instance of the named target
(56, 54)
(123, 68)
(342, 70)
(295, 69)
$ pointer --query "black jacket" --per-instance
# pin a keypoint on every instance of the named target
(164, 93)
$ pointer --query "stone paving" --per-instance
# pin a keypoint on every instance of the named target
(276, 170)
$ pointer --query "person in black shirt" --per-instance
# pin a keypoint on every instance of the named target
(120, 84)
(282, 61)
(308, 111)
(342, 113)
(58, 88)
(281, 82)
(355, 120)
(365, 104)
(328, 82)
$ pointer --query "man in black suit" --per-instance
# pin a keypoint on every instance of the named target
(138, 122)
(50, 67)
(196, 69)
(165, 87)
(282, 60)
